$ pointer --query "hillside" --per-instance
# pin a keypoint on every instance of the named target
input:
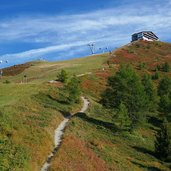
(16, 69)
(41, 71)
(30, 110)
(29, 113)
(149, 54)
(93, 140)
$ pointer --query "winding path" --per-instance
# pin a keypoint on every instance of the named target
(59, 134)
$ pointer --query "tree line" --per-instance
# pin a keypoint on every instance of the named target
(133, 97)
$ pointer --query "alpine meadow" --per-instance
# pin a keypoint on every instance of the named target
(85, 85)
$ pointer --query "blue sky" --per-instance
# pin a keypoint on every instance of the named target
(61, 29)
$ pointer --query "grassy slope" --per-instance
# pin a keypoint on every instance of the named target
(40, 72)
(28, 113)
(150, 53)
(93, 141)
(24, 124)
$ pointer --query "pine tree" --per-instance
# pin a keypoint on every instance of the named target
(151, 92)
(162, 142)
(164, 86)
(107, 98)
(165, 104)
(123, 116)
(126, 87)
(164, 91)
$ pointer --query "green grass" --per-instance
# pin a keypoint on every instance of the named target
(28, 116)
(29, 112)
(120, 150)
(12, 93)
(98, 132)
(41, 72)
(24, 122)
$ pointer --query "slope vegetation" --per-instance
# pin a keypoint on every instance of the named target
(94, 139)
(30, 112)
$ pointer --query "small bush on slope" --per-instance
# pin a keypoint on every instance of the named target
(166, 67)
(63, 76)
(71, 92)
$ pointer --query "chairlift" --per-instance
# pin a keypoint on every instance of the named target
(92, 47)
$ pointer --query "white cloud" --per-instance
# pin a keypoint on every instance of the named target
(41, 51)
(39, 28)
(30, 54)
(113, 26)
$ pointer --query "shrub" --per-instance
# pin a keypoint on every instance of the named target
(130, 51)
(148, 46)
(7, 82)
(158, 67)
(71, 92)
(63, 76)
(166, 67)
(142, 65)
(137, 45)
(156, 76)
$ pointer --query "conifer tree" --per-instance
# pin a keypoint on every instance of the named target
(123, 116)
(164, 86)
(162, 142)
(151, 92)
(164, 91)
(126, 87)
